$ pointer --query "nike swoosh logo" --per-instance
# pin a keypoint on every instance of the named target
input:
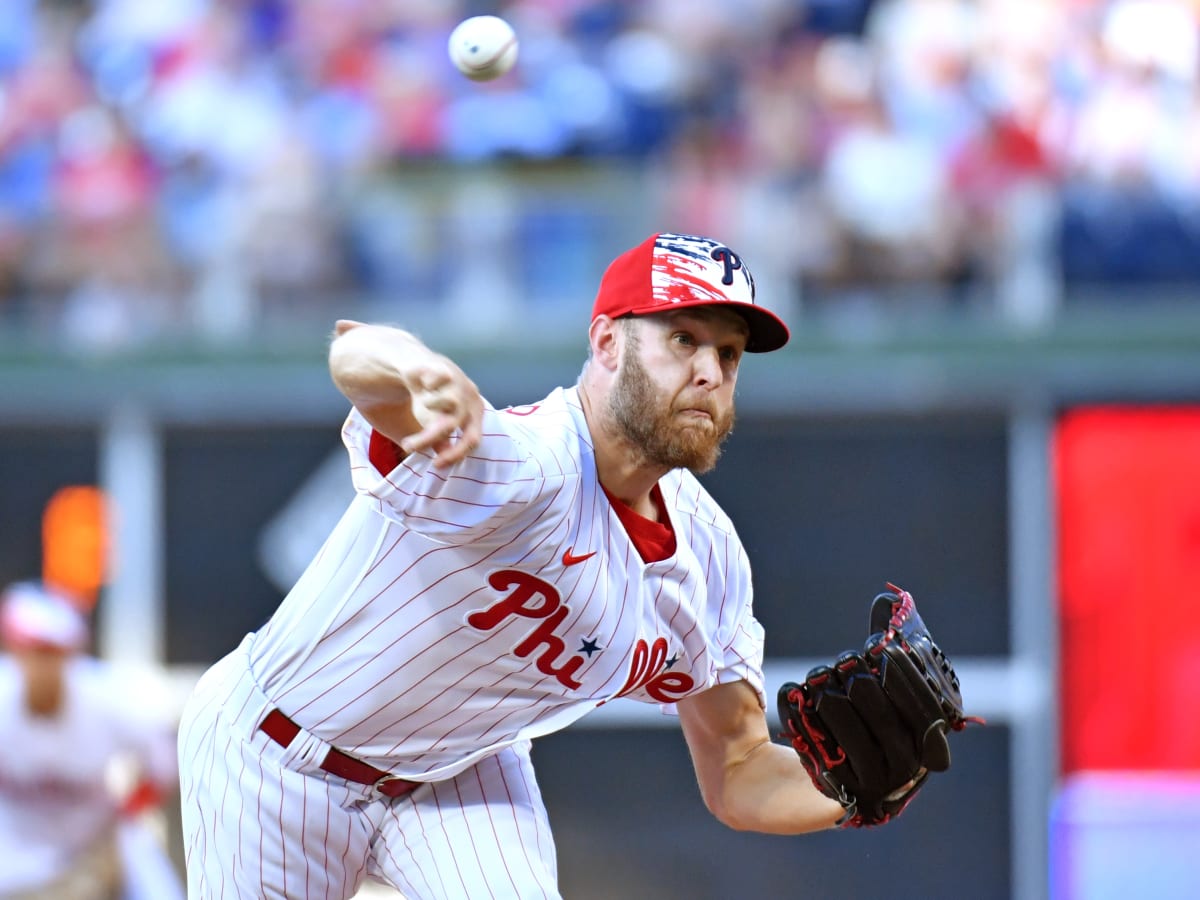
(569, 560)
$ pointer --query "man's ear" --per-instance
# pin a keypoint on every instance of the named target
(606, 336)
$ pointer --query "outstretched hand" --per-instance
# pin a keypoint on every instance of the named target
(444, 401)
(418, 398)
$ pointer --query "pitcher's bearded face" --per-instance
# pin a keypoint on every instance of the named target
(680, 431)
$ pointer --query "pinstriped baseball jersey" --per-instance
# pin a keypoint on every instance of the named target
(455, 612)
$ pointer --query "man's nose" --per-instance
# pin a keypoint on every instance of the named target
(707, 367)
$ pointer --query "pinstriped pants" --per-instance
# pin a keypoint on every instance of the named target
(263, 821)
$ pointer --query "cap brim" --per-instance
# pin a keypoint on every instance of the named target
(767, 330)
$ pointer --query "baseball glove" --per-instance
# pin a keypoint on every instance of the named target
(870, 728)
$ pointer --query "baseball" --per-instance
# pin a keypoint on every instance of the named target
(483, 47)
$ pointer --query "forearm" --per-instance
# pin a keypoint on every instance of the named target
(369, 363)
(769, 791)
(418, 398)
(373, 366)
(749, 782)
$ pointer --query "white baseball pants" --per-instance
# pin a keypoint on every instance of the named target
(262, 821)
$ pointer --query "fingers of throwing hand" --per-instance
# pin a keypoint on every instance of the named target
(450, 409)
(434, 435)
(471, 428)
(437, 389)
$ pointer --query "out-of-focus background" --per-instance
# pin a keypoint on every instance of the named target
(980, 217)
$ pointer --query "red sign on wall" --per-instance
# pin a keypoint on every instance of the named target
(1128, 489)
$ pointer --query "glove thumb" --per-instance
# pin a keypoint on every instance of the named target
(935, 749)
(881, 612)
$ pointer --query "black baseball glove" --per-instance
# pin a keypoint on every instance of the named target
(870, 728)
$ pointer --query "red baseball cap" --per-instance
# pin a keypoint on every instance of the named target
(674, 271)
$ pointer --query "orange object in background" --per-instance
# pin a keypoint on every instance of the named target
(75, 542)
(1128, 485)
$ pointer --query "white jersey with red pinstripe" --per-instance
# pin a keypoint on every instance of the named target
(451, 617)
(451, 613)
(60, 817)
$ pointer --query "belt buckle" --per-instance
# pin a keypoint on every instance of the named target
(383, 780)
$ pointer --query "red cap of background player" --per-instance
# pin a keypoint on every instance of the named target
(33, 615)
(673, 271)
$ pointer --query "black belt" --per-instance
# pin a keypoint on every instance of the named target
(283, 731)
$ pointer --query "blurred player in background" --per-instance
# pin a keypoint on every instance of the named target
(499, 574)
(72, 732)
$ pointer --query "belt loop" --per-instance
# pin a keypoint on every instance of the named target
(394, 786)
(282, 730)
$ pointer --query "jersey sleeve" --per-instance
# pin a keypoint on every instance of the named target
(739, 638)
(733, 651)
(465, 502)
(715, 628)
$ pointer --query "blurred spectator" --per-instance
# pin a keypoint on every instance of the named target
(257, 158)
(83, 757)
(108, 258)
(1003, 185)
(885, 188)
(1132, 195)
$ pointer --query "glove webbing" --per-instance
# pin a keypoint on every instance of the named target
(904, 610)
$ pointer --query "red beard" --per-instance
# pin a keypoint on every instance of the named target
(659, 431)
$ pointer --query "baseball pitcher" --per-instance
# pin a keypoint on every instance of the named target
(499, 574)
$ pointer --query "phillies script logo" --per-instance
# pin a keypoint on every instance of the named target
(648, 660)
(529, 597)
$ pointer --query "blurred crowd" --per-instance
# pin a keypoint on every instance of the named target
(200, 166)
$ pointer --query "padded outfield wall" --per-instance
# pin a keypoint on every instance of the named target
(928, 460)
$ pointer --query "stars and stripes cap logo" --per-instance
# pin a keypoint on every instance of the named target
(672, 271)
